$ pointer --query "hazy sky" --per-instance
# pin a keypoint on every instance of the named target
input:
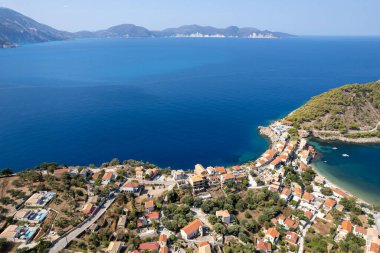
(302, 17)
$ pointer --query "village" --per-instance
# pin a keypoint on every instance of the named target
(277, 203)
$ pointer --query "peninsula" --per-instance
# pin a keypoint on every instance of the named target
(16, 28)
(350, 113)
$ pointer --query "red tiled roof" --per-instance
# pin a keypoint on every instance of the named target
(149, 246)
(360, 230)
(330, 202)
(153, 215)
(291, 237)
(192, 226)
(272, 232)
(261, 245)
(163, 238)
(308, 214)
(131, 184)
(61, 171)
(374, 247)
(286, 192)
(347, 226)
(107, 176)
(149, 204)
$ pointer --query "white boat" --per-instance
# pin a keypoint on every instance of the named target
(335, 148)
(345, 155)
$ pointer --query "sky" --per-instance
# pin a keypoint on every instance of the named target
(300, 17)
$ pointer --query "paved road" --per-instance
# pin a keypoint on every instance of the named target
(64, 241)
(377, 221)
(202, 216)
(167, 183)
(304, 231)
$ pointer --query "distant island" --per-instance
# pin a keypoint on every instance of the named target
(16, 28)
(350, 113)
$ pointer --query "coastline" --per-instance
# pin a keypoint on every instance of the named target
(266, 133)
(335, 185)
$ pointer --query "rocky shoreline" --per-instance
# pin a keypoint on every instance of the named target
(372, 140)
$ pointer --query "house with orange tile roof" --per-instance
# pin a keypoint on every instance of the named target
(149, 247)
(107, 177)
(286, 194)
(291, 237)
(272, 235)
(88, 208)
(308, 197)
(329, 204)
(297, 194)
(346, 226)
(290, 224)
(149, 206)
(261, 245)
(153, 216)
(360, 231)
(220, 170)
(226, 178)
(373, 248)
(276, 163)
(308, 214)
(303, 166)
(61, 171)
(193, 229)
(339, 193)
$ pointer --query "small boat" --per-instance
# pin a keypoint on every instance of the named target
(335, 148)
(345, 155)
(325, 161)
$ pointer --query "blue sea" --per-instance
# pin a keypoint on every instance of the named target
(174, 102)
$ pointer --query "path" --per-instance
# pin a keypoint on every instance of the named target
(64, 241)
(304, 231)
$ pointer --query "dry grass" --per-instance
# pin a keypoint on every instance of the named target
(322, 227)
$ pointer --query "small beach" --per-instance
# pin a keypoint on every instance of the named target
(355, 174)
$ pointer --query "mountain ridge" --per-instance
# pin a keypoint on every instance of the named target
(16, 28)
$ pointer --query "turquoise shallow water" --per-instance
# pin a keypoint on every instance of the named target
(174, 102)
(359, 173)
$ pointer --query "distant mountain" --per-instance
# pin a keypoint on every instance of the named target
(16, 28)
(209, 31)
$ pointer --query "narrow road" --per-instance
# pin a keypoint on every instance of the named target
(64, 241)
(304, 231)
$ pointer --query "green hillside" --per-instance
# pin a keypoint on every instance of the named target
(351, 109)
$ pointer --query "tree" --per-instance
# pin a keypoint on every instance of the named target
(252, 226)
(219, 228)
(326, 191)
(6, 172)
(212, 219)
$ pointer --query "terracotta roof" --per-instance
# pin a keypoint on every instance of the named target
(308, 214)
(291, 223)
(149, 246)
(131, 185)
(88, 208)
(286, 192)
(347, 226)
(220, 170)
(291, 237)
(107, 176)
(374, 247)
(339, 192)
(276, 161)
(149, 204)
(228, 176)
(330, 202)
(308, 196)
(298, 192)
(272, 232)
(261, 245)
(192, 226)
(95, 175)
(360, 230)
(204, 247)
(61, 171)
(153, 215)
